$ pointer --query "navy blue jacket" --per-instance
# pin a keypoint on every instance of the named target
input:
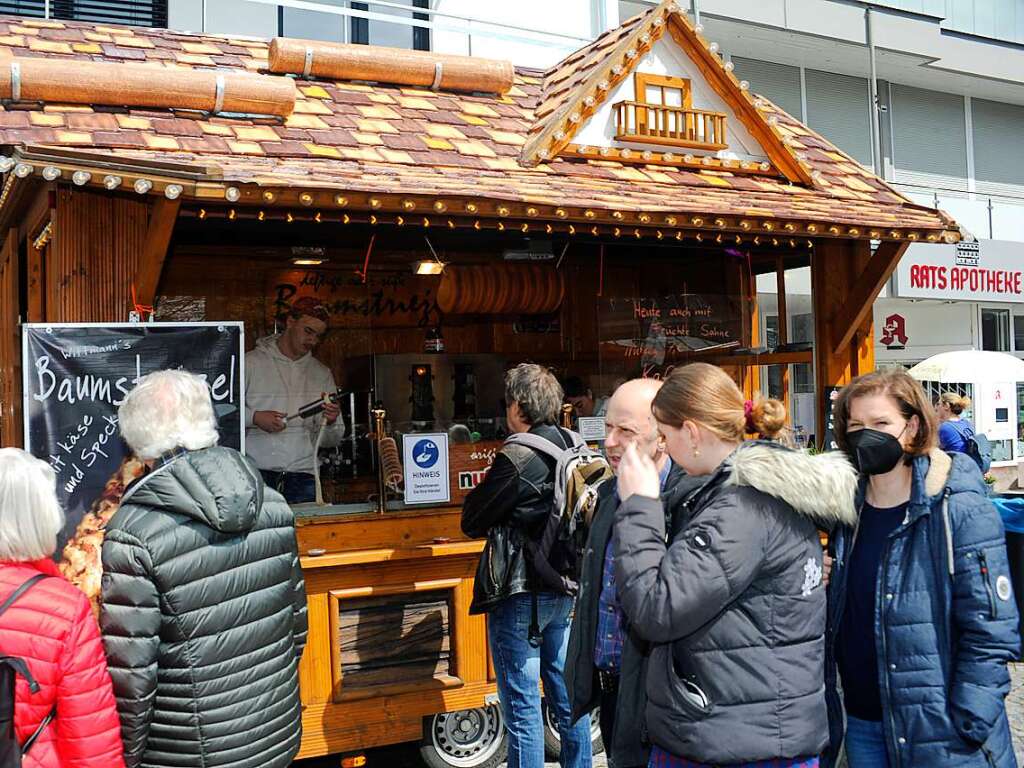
(945, 624)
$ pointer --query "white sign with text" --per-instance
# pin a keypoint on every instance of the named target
(425, 465)
(989, 270)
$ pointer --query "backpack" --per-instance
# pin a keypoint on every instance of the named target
(978, 447)
(11, 753)
(555, 556)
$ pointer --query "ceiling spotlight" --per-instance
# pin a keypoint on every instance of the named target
(428, 267)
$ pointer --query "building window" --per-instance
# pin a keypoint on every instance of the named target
(1018, 333)
(995, 330)
(144, 13)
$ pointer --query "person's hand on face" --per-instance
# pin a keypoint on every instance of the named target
(331, 412)
(269, 421)
(638, 475)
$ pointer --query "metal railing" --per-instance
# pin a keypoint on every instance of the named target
(675, 126)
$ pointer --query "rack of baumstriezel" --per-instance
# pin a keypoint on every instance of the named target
(389, 461)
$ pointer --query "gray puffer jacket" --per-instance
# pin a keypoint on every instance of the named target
(204, 616)
(734, 604)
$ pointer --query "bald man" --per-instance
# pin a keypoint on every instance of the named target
(605, 661)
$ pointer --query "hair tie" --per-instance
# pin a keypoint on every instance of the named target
(748, 414)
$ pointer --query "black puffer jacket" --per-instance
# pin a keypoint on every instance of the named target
(204, 617)
(734, 605)
(510, 506)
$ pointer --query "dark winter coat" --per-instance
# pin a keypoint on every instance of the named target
(628, 747)
(204, 616)
(509, 507)
(945, 624)
(734, 604)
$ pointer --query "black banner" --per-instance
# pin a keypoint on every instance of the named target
(76, 376)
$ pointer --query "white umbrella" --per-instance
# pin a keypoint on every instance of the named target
(969, 366)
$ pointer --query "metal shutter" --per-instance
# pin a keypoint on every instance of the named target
(838, 109)
(777, 82)
(929, 137)
(146, 13)
(998, 150)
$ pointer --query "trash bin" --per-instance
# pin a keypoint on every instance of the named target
(1011, 509)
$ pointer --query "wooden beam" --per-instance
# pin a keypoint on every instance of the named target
(154, 249)
(864, 290)
(10, 343)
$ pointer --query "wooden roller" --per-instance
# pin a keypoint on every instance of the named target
(68, 81)
(391, 463)
(340, 61)
(504, 289)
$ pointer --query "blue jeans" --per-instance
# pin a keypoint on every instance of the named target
(296, 487)
(865, 744)
(519, 668)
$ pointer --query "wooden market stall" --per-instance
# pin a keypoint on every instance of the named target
(608, 217)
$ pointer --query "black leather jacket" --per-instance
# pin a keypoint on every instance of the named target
(508, 507)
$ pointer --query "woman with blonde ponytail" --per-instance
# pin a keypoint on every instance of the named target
(731, 595)
(955, 432)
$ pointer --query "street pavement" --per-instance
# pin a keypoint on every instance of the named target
(1015, 709)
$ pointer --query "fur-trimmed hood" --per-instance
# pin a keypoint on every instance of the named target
(820, 486)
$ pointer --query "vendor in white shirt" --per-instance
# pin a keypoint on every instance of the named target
(281, 375)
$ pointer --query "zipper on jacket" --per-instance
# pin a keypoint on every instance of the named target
(983, 565)
(989, 757)
(885, 654)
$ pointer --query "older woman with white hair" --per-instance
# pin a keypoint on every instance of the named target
(64, 711)
(204, 605)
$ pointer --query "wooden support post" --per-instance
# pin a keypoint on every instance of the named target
(836, 266)
(154, 250)
(864, 289)
(10, 343)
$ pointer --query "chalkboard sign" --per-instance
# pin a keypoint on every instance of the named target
(654, 330)
(76, 376)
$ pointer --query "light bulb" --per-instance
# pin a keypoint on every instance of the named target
(111, 182)
(81, 178)
(173, 191)
(50, 173)
(6, 163)
(142, 186)
(232, 194)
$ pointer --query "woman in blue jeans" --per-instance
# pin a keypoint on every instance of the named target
(921, 618)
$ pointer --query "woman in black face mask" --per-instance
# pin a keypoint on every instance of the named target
(921, 619)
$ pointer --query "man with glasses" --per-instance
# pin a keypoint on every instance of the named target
(281, 375)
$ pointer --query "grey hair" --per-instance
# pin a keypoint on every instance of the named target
(168, 410)
(536, 390)
(30, 517)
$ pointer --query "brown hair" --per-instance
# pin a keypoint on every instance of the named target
(909, 397)
(307, 306)
(706, 395)
(957, 403)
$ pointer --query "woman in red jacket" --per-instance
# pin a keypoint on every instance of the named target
(52, 628)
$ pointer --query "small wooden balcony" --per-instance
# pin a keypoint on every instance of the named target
(674, 126)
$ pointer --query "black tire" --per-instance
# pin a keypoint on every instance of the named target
(553, 742)
(469, 738)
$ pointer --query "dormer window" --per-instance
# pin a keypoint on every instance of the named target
(663, 114)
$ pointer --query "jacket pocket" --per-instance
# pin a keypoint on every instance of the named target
(994, 571)
(687, 690)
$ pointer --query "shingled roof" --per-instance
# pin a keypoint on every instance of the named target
(369, 146)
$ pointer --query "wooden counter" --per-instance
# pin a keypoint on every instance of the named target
(391, 640)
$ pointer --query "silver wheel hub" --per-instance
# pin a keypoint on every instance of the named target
(469, 737)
